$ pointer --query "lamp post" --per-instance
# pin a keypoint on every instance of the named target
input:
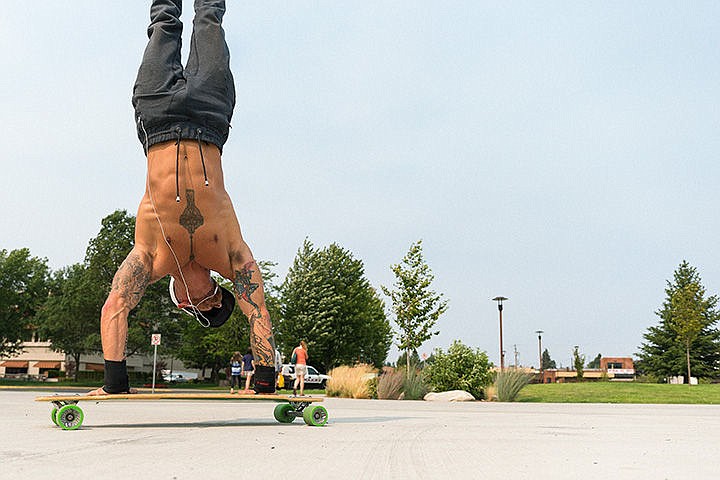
(499, 301)
(539, 334)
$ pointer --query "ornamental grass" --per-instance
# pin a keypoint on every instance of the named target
(509, 383)
(351, 381)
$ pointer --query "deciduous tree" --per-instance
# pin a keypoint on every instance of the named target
(415, 305)
(328, 302)
(69, 318)
(579, 363)
(23, 289)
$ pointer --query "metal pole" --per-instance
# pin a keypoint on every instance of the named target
(540, 365)
(502, 353)
(499, 301)
(154, 368)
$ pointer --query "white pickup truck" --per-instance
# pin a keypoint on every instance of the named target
(313, 378)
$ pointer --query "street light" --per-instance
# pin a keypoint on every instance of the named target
(499, 301)
(539, 333)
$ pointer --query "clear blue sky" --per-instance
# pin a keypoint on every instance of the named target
(562, 154)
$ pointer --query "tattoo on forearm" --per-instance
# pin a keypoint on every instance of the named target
(262, 341)
(131, 279)
(191, 219)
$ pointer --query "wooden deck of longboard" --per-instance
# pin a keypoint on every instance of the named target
(177, 396)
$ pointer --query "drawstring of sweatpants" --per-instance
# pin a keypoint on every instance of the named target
(177, 155)
(177, 164)
(202, 159)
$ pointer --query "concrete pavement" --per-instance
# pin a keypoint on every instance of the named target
(365, 439)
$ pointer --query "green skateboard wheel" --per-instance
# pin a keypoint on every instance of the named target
(53, 416)
(315, 416)
(282, 413)
(70, 417)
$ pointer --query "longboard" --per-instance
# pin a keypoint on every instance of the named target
(67, 415)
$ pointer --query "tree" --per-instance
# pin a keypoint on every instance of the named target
(69, 318)
(23, 288)
(666, 348)
(416, 307)
(579, 362)
(547, 362)
(686, 316)
(595, 363)
(461, 368)
(414, 359)
(328, 302)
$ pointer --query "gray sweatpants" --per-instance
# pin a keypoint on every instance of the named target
(194, 102)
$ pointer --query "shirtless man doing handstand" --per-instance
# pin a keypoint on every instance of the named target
(186, 226)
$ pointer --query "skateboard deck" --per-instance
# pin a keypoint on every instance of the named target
(67, 415)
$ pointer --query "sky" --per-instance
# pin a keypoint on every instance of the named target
(561, 154)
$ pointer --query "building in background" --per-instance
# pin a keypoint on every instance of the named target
(618, 369)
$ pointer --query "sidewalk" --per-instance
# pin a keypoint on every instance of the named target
(365, 439)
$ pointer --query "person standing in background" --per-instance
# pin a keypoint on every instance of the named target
(235, 371)
(300, 356)
(248, 367)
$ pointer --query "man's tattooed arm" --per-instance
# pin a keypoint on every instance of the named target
(248, 288)
(131, 280)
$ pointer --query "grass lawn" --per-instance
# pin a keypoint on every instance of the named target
(619, 392)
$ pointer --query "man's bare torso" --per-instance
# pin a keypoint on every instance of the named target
(201, 229)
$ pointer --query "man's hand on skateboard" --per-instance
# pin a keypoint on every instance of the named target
(101, 391)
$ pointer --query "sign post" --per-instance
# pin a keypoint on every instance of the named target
(155, 341)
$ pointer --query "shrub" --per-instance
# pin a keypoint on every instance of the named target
(461, 368)
(390, 385)
(414, 385)
(373, 387)
(350, 382)
(509, 383)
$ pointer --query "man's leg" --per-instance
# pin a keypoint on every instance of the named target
(211, 88)
(160, 75)
(128, 287)
(248, 287)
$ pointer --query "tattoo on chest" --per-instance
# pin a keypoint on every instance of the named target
(191, 218)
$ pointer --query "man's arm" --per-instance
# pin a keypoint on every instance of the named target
(128, 287)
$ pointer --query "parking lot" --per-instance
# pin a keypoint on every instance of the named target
(366, 439)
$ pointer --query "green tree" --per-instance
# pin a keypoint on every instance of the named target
(414, 359)
(23, 289)
(460, 368)
(595, 362)
(107, 250)
(416, 307)
(579, 363)
(686, 320)
(328, 302)
(664, 352)
(547, 362)
(69, 318)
